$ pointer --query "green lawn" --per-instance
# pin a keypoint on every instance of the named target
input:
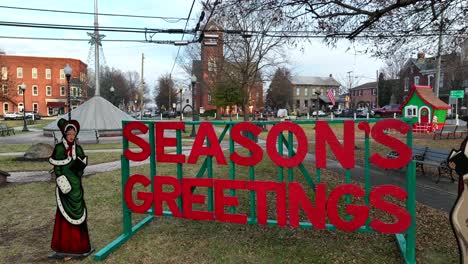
(28, 211)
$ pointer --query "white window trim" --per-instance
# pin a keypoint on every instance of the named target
(36, 107)
(306, 91)
(8, 107)
(4, 73)
(298, 91)
(37, 90)
(414, 111)
(429, 113)
(62, 74)
(48, 74)
(18, 71)
(47, 92)
(20, 106)
(34, 73)
(20, 92)
(416, 80)
(406, 84)
(64, 91)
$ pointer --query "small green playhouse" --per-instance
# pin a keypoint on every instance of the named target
(422, 105)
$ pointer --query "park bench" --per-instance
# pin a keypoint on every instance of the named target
(445, 130)
(429, 156)
(5, 130)
(436, 158)
(3, 177)
(462, 131)
(84, 136)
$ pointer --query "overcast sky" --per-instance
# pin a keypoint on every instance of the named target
(314, 59)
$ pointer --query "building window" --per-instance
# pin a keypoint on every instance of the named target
(212, 64)
(19, 72)
(306, 103)
(306, 91)
(50, 111)
(62, 90)
(416, 80)
(360, 92)
(298, 92)
(34, 73)
(20, 107)
(20, 92)
(441, 81)
(298, 103)
(4, 89)
(35, 107)
(411, 111)
(4, 73)
(430, 80)
(49, 90)
(374, 91)
(35, 90)
(62, 74)
(5, 107)
(48, 74)
(406, 84)
(186, 101)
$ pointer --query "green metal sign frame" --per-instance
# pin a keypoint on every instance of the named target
(406, 241)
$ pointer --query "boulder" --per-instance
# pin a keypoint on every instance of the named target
(39, 151)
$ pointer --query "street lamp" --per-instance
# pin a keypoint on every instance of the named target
(194, 118)
(180, 101)
(23, 89)
(112, 89)
(317, 106)
(68, 72)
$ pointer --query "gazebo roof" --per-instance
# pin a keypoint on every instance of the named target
(96, 114)
(427, 96)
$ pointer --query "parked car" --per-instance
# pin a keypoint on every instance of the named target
(346, 113)
(147, 113)
(12, 116)
(282, 113)
(320, 113)
(30, 114)
(169, 114)
(387, 110)
(363, 112)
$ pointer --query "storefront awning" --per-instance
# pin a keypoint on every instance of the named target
(55, 104)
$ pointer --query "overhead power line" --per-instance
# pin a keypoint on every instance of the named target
(185, 28)
(167, 19)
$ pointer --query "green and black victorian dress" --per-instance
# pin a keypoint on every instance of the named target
(70, 237)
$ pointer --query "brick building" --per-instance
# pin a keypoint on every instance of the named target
(211, 63)
(46, 84)
(422, 71)
(364, 95)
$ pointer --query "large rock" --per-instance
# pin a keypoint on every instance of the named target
(39, 151)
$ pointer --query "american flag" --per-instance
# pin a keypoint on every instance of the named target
(331, 96)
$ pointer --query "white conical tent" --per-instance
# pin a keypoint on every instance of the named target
(96, 114)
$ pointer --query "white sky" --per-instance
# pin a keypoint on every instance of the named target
(315, 59)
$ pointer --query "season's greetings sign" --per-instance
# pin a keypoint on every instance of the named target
(291, 197)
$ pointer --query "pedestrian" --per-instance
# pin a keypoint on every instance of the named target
(70, 237)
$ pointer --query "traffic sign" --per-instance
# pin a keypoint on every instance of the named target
(457, 93)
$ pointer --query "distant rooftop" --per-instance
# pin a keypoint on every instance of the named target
(317, 81)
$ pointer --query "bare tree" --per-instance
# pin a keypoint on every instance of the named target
(394, 65)
(249, 51)
(387, 26)
(8, 86)
(164, 91)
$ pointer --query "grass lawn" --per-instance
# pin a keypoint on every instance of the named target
(9, 163)
(26, 229)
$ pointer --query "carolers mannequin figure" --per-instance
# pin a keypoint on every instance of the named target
(70, 238)
(458, 161)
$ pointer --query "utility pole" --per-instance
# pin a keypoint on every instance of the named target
(349, 85)
(142, 86)
(439, 49)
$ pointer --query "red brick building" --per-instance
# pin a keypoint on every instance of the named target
(211, 63)
(46, 84)
(364, 95)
